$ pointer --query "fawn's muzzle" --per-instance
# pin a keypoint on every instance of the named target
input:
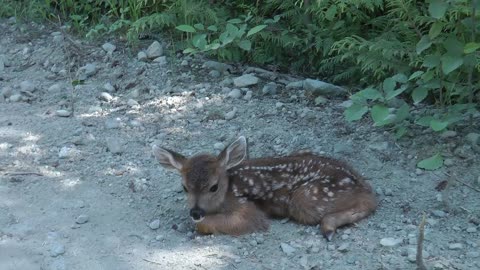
(197, 214)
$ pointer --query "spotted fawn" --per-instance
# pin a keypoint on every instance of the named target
(229, 194)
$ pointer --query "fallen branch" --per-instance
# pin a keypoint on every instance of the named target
(421, 236)
(23, 173)
(463, 183)
(154, 262)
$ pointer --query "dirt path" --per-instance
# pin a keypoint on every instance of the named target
(84, 192)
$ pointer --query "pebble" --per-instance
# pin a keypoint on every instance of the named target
(294, 85)
(82, 219)
(248, 95)
(54, 88)
(448, 162)
(317, 87)
(114, 145)
(62, 113)
(245, 80)
(439, 213)
(343, 247)
(162, 60)
(132, 102)
(154, 50)
(448, 134)
(57, 249)
(279, 105)
(155, 224)
(471, 229)
(320, 100)
(15, 98)
(6, 92)
(473, 138)
(455, 246)
(142, 56)
(27, 86)
(184, 63)
(57, 38)
(89, 69)
(105, 96)
(66, 152)
(235, 93)
(287, 249)
(219, 146)
(388, 192)
(270, 89)
(390, 242)
(231, 114)
(214, 74)
(473, 254)
(221, 67)
(108, 87)
(418, 171)
(95, 109)
(109, 47)
(113, 123)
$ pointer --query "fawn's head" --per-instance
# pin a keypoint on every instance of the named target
(204, 176)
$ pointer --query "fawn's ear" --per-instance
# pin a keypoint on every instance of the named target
(234, 153)
(168, 158)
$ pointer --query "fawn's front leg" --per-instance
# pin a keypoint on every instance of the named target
(246, 218)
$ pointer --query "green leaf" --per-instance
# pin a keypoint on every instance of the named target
(366, 94)
(431, 61)
(400, 132)
(437, 8)
(424, 121)
(212, 28)
(395, 93)
(186, 28)
(423, 44)
(379, 114)
(400, 77)
(235, 21)
(189, 50)
(200, 41)
(402, 113)
(256, 29)
(471, 47)
(450, 62)
(389, 85)
(415, 75)
(438, 125)
(435, 30)
(245, 45)
(199, 26)
(432, 163)
(232, 29)
(419, 94)
(453, 45)
(331, 12)
(77, 82)
(355, 112)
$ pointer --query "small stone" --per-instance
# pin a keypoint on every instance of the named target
(162, 60)
(294, 85)
(154, 50)
(132, 103)
(105, 97)
(448, 134)
(62, 113)
(155, 224)
(287, 249)
(279, 105)
(248, 95)
(58, 38)
(66, 152)
(95, 109)
(27, 86)
(473, 254)
(184, 63)
(439, 213)
(245, 80)
(142, 56)
(221, 67)
(378, 146)
(341, 147)
(113, 123)
(473, 138)
(418, 171)
(57, 249)
(15, 98)
(315, 250)
(109, 47)
(235, 93)
(214, 73)
(6, 92)
(455, 246)
(270, 89)
(343, 247)
(320, 100)
(109, 87)
(226, 82)
(388, 192)
(317, 87)
(231, 114)
(390, 242)
(89, 69)
(82, 219)
(346, 104)
(471, 229)
(219, 146)
(448, 162)
(114, 145)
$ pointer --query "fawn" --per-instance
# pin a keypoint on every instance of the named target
(228, 194)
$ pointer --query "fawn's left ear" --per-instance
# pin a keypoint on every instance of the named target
(168, 158)
(234, 154)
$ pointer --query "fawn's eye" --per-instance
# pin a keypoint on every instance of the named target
(184, 188)
(214, 188)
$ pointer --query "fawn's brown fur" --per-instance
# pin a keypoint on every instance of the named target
(230, 195)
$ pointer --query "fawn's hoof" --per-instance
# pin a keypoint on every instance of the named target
(329, 235)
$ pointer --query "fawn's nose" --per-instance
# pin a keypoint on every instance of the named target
(197, 214)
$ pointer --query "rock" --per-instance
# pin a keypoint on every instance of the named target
(6, 92)
(388, 192)
(89, 69)
(57, 249)
(155, 224)
(214, 74)
(471, 229)
(343, 247)
(449, 162)
(132, 102)
(219, 146)
(378, 146)
(142, 56)
(448, 134)
(235, 93)
(226, 82)
(317, 87)
(58, 38)
(473, 138)
(109, 47)
(15, 98)
(390, 242)
(294, 85)
(320, 100)
(287, 249)
(270, 89)
(473, 254)
(221, 67)
(455, 246)
(346, 104)
(162, 60)
(279, 105)
(184, 63)
(82, 219)
(109, 87)
(248, 95)
(341, 147)
(27, 86)
(105, 97)
(54, 88)
(2, 65)
(135, 123)
(231, 114)
(95, 109)
(154, 50)
(412, 254)
(245, 80)
(439, 213)
(62, 113)
(112, 123)
(114, 145)
(66, 152)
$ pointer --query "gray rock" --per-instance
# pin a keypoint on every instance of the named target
(448, 134)
(95, 109)
(154, 50)
(343, 247)
(390, 242)
(473, 138)
(2, 65)
(58, 38)
(109, 87)
(270, 89)
(27, 86)
(226, 82)
(279, 105)
(54, 88)
(89, 69)
(63, 113)
(109, 47)
(412, 254)
(388, 192)
(346, 104)
(162, 60)
(66, 152)
(155, 224)
(342, 147)
(6, 92)
(473, 254)
(105, 96)
(245, 80)
(248, 95)
(320, 100)
(287, 249)
(142, 56)
(449, 162)
(317, 87)
(439, 213)
(57, 249)
(184, 63)
(82, 219)
(235, 93)
(294, 85)
(378, 146)
(471, 229)
(112, 123)
(15, 98)
(221, 67)
(115, 145)
(219, 146)
(132, 103)
(214, 74)
(455, 246)
(231, 114)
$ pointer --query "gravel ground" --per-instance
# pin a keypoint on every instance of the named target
(80, 189)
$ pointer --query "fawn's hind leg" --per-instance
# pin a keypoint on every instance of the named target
(359, 206)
